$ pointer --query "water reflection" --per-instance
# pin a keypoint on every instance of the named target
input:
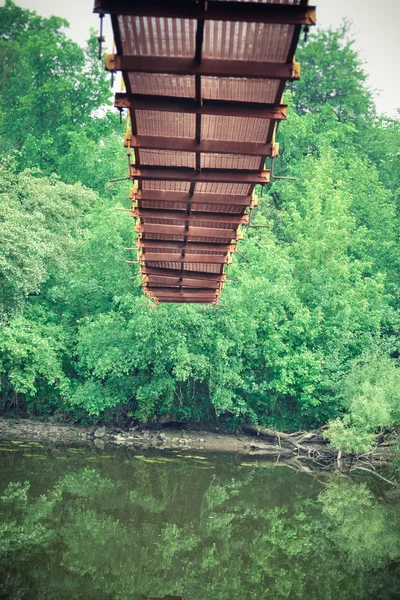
(77, 524)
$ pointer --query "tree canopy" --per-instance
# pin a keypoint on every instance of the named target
(318, 297)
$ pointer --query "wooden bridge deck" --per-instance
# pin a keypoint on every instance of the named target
(204, 82)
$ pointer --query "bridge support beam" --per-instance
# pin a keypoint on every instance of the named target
(216, 11)
(205, 175)
(156, 142)
(208, 67)
(225, 108)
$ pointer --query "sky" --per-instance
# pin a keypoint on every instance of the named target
(375, 28)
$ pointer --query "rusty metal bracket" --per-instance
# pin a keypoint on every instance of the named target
(100, 37)
(109, 61)
(254, 201)
(242, 256)
(120, 179)
(296, 71)
(120, 114)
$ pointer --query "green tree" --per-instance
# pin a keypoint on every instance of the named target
(42, 222)
(333, 77)
(50, 87)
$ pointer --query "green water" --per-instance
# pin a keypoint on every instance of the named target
(79, 523)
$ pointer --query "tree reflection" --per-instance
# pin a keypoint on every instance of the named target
(160, 529)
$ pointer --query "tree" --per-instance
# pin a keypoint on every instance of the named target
(332, 76)
(50, 87)
(42, 221)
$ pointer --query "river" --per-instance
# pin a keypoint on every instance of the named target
(83, 523)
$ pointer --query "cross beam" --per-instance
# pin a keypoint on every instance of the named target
(157, 142)
(181, 281)
(172, 273)
(209, 67)
(252, 12)
(181, 230)
(163, 244)
(156, 173)
(184, 296)
(196, 198)
(187, 300)
(175, 215)
(227, 108)
(211, 259)
(162, 291)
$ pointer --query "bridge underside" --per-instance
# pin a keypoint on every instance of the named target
(204, 84)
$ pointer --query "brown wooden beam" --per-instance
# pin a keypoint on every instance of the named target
(181, 281)
(160, 244)
(250, 69)
(171, 273)
(158, 173)
(196, 198)
(175, 215)
(216, 11)
(212, 299)
(172, 294)
(187, 300)
(211, 259)
(227, 108)
(150, 142)
(172, 291)
(203, 232)
(210, 289)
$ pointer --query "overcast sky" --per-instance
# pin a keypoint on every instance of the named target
(375, 26)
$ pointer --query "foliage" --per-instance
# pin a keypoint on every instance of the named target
(318, 294)
(42, 220)
(333, 81)
(371, 396)
(51, 87)
(31, 367)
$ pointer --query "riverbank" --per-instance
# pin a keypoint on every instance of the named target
(143, 438)
(250, 440)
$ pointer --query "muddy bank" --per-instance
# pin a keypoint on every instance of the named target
(29, 429)
(249, 441)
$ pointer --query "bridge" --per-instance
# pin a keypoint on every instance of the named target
(204, 82)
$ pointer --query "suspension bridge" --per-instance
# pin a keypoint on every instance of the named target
(204, 83)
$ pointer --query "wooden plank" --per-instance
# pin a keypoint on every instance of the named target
(186, 300)
(203, 232)
(171, 273)
(160, 244)
(150, 142)
(175, 215)
(209, 289)
(159, 173)
(196, 198)
(183, 281)
(216, 11)
(175, 291)
(227, 108)
(211, 259)
(186, 280)
(250, 69)
(172, 296)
